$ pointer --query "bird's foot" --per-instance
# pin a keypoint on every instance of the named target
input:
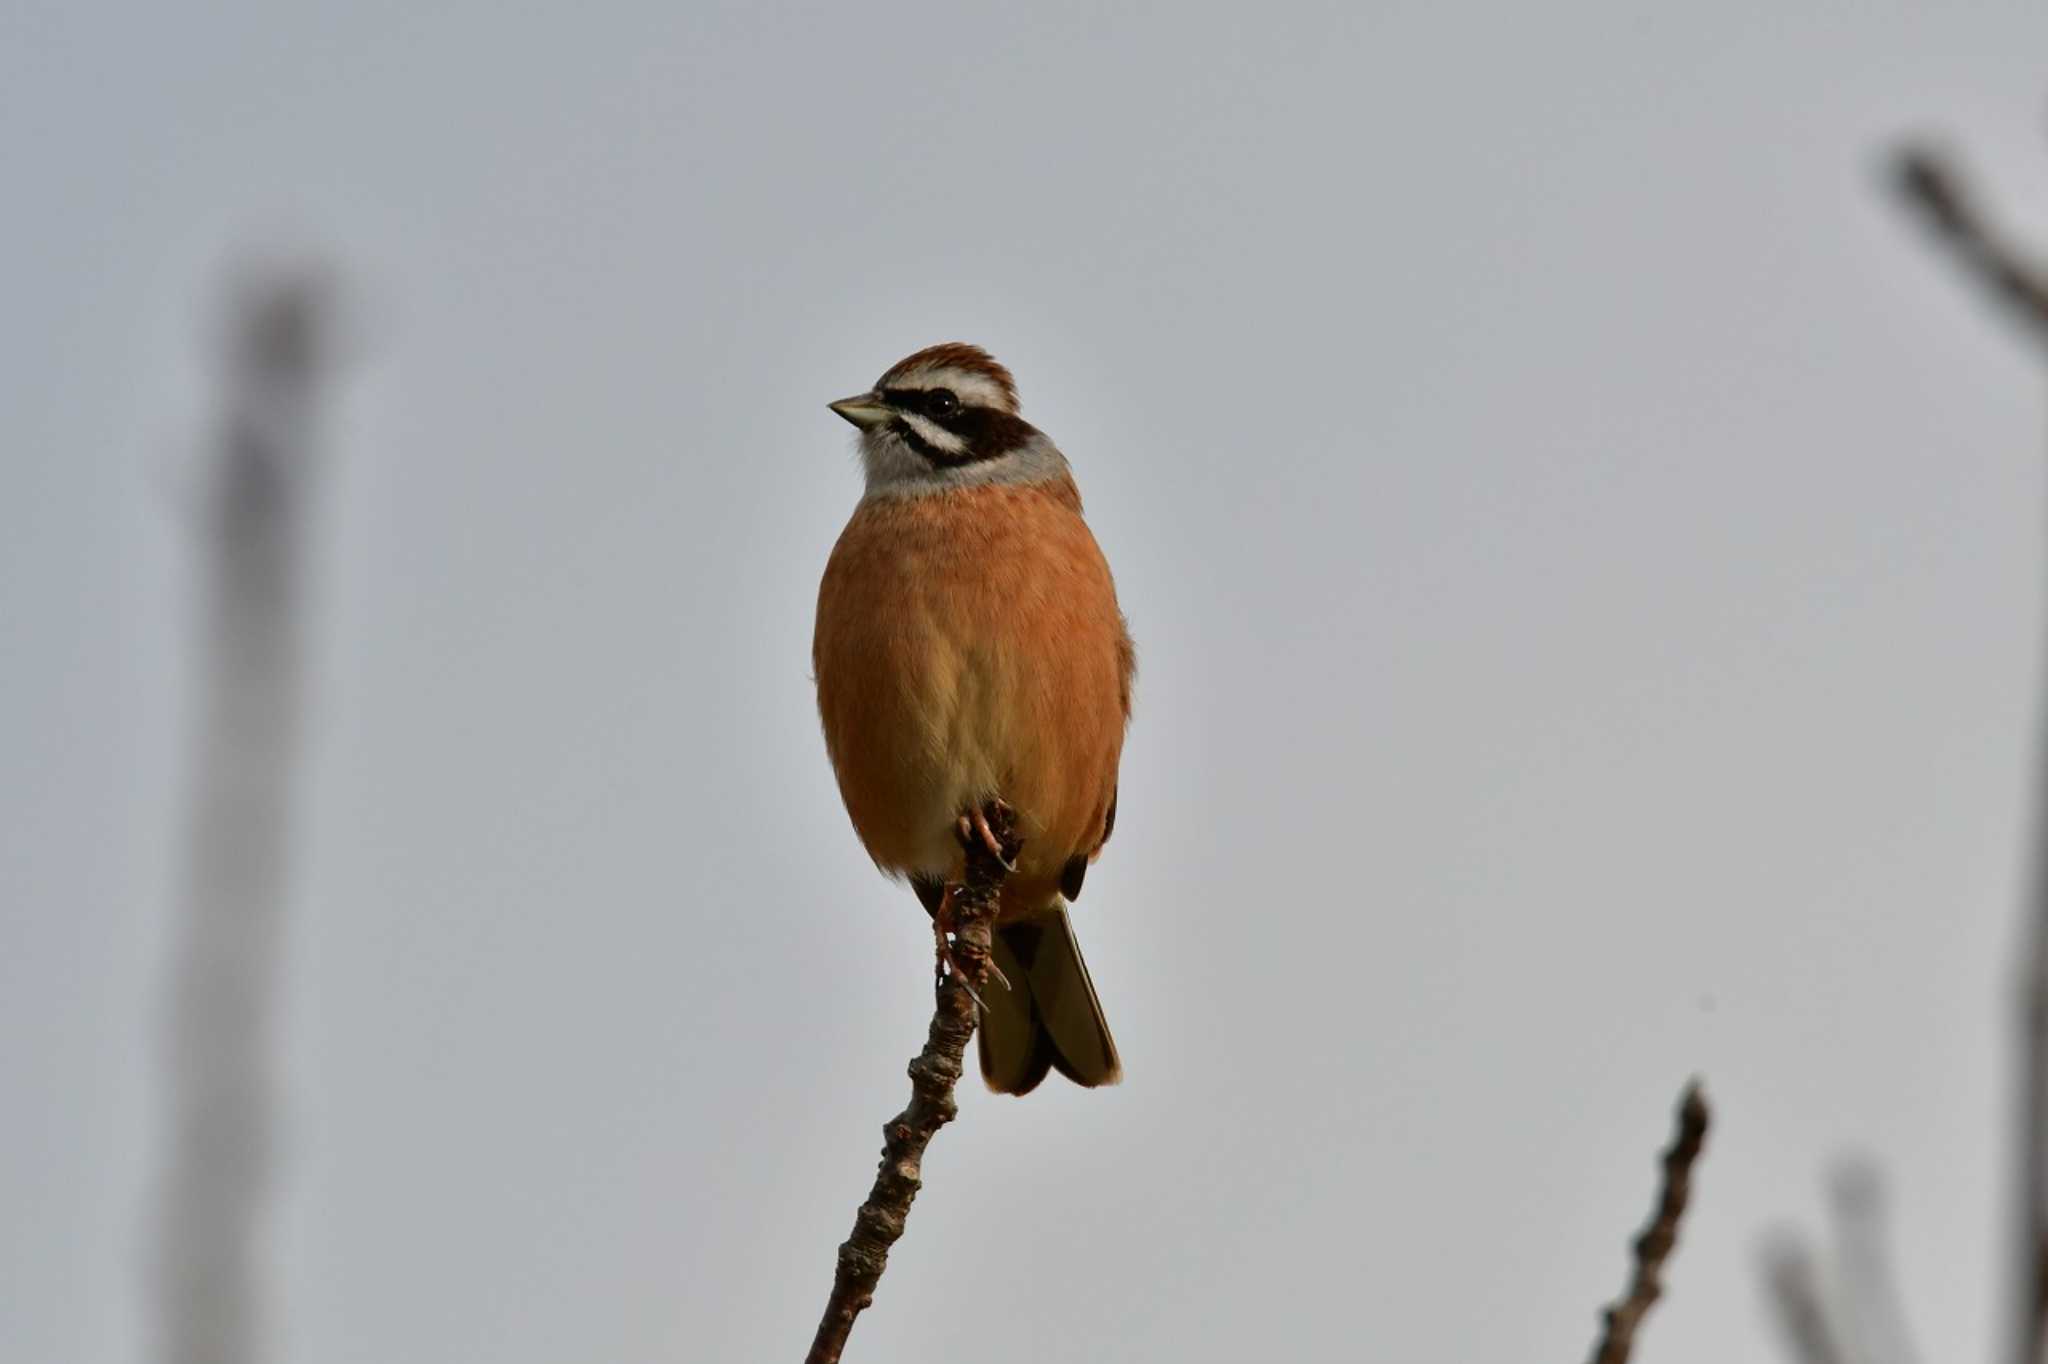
(974, 827)
(949, 960)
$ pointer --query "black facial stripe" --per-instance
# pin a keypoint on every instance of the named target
(946, 459)
(987, 432)
(910, 399)
(932, 454)
(989, 435)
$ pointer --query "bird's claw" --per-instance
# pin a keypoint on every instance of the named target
(949, 961)
(974, 827)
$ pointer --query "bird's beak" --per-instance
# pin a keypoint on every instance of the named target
(863, 410)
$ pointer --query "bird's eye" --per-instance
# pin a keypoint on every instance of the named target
(941, 402)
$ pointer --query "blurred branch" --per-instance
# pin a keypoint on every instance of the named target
(1793, 1282)
(2030, 1315)
(1931, 184)
(222, 986)
(2029, 1284)
(1873, 1309)
(1863, 1320)
(933, 1073)
(1654, 1245)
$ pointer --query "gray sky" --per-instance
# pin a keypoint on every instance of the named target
(1584, 553)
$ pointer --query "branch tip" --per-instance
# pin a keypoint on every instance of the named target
(1654, 1244)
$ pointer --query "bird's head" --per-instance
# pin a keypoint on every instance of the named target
(943, 418)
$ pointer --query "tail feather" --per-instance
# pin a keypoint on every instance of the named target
(1049, 1019)
(1015, 1051)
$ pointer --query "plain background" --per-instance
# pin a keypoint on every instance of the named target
(1584, 550)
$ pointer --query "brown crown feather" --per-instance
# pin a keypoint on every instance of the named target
(955, 355)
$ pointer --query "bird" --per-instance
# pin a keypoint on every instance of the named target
(969, 647)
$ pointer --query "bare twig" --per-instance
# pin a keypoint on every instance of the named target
(1794, 1284)
(1653, 1246)
(933, 1073)
(222, 987)
(1872, 1308)
(1931, 184)
(2021, 285)
(2029, 1285)
(2030, 1318)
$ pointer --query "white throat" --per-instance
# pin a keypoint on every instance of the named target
(894, 469)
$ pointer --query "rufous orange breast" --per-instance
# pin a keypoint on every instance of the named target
(969, 646)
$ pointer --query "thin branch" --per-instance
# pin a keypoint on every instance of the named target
(2030, 1323)
(2029, 1284)
(1808, 1328)
(1873, 1309)
(221, 1025)
(1653, 1246)
(1930, 183)
(933, 1073)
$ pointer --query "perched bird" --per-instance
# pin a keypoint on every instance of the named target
(969, 647)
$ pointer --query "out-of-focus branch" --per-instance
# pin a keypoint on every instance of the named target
(1851, 1312)
(933, 1073)
(1793, 1282)
(2020, 284)
(2029, 1284)
(1930, 183)
(2030, 1318)
(1873, 1308)
(1654, 1244)
(219, 1036)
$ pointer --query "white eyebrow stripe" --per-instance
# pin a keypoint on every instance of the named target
(934, 434)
